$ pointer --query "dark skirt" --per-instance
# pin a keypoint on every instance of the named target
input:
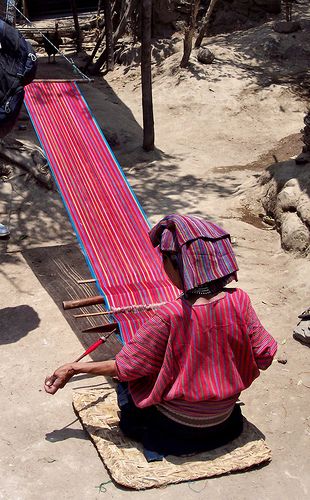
(161, 436)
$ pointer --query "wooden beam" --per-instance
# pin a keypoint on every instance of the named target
(86, 301)
(62, 80)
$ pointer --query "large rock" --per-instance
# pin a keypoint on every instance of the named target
(283, 191)
(294, 234)
(205, 56)
(304, 208)
(286, 26)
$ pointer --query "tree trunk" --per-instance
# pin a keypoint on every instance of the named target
(118, 33)
(306, 133)
(76, 26)
(100, 39)
(205, 24)
(288, 10)
(107, 6)
(189, 33)
(29, 157)
(146, 76)
(95, 50)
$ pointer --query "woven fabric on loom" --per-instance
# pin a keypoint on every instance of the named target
(110, 224)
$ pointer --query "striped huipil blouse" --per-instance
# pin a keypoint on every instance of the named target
(192, 361)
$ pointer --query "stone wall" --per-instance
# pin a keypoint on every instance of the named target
(285, 190)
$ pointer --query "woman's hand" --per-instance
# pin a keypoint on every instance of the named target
(63, 374)
(59, 378)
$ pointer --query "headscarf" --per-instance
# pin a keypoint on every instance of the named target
(203, 249)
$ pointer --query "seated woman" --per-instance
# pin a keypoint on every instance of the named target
(183, 372)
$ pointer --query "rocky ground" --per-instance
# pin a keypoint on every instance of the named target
(218, 130)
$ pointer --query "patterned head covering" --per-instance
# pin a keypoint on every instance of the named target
(203, 249)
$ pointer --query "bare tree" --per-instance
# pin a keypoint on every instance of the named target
(107, 6)
(146, 76)
(95, 49)
(120, 30)
(189, 33)
(205, 23)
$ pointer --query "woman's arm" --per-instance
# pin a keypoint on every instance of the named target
(263, 344)
(64, 373)
(142, 356)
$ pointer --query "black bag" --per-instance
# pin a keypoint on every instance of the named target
(18, 64)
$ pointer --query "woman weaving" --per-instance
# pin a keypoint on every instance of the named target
(188, 364)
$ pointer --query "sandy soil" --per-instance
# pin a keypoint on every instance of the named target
(216, 127)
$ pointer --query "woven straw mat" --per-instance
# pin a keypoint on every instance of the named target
(124, 459)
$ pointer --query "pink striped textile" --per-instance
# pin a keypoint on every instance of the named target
(108, 220)
(194, 360)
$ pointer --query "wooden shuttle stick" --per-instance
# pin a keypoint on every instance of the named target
(94, 346)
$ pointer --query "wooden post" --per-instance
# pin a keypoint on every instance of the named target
(76, 26)
(146, 76)
(189, 33)
(25, 8)
(107, 6)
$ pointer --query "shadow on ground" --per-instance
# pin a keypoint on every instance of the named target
(17, 322)
(65, 433)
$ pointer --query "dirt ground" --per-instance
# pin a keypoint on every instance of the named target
(216, 127)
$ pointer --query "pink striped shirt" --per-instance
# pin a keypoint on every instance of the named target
(194, 360)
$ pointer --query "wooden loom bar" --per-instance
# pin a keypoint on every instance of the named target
(76, 80)
(89, 301)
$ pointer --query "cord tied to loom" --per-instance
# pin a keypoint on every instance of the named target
(126, 309)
